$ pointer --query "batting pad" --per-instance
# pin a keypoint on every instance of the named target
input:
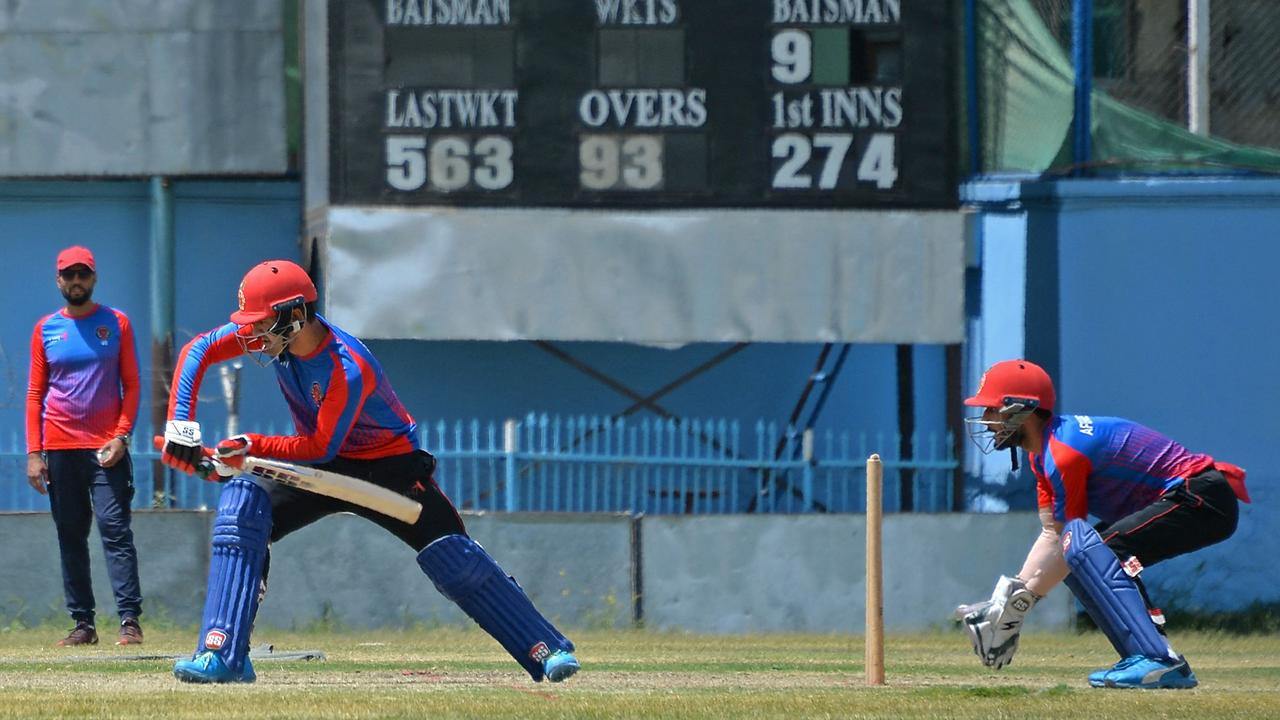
(1109, 595)
(240, 535)
(463, 572)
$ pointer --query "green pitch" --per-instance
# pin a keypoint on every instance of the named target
(454, 673)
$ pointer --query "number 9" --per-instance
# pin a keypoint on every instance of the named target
(792, 56)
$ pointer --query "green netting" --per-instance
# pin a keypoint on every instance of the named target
(1026, 90)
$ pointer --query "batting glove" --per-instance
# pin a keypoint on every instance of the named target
(182, 450)
(234, 450)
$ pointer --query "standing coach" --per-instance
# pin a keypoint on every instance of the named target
(82, 399)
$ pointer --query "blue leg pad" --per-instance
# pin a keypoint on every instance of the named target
(1111, 597)
(463, 572)
(240, 535)
(1102, 621)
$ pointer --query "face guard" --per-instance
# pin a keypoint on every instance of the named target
(283, 330)
(1003, 432)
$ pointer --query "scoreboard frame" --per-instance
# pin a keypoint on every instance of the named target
(526, 103)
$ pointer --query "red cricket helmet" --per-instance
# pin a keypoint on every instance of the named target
(1019, 379)
(270, 287)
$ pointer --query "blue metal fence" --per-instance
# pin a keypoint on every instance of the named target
(593, 464)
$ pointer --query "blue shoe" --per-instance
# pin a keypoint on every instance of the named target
(560, 665)
(1148, 673)
(1097, 678)
(209, 667)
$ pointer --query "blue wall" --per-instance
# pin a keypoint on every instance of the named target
(222, 229)
(1155, 300)
(495, 380)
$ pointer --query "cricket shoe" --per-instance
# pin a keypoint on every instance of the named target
(209, 667)
(82, 634)
(1149, 673)
(130, 631)
(560, 665)
(1098, 678)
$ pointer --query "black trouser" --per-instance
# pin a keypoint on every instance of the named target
(411, 474)
(1200, 512)
(79, 489)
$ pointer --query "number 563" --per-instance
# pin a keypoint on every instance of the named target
(449, 162)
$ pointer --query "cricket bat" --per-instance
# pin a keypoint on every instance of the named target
(329, 484)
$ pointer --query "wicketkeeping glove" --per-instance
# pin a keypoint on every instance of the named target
(995, 625)
(182, 449)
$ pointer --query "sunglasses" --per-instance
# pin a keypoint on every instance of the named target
(73, 274)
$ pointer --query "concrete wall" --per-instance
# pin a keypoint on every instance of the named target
(352, 571)
(173, 562)
(142, 87)
(807, 573)
(717, 574)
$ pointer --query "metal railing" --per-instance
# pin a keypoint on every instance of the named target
(592, 464)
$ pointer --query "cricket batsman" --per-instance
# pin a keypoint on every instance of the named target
(1154, 500)
(349, 421)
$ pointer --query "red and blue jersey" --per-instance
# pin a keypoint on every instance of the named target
(341, 401)
(83, 385)
(1108, 467)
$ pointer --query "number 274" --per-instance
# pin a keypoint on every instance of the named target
(796, 150)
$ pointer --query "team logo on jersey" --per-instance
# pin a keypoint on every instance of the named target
(317, 394)
(103, 333)
(214, 640)
(1086, 424)
(540, 652)
(1066, 541)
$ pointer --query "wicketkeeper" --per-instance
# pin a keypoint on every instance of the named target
(1154, 499)
(349, 421)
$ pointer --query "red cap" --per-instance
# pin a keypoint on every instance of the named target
(268, 285)
(75, 255)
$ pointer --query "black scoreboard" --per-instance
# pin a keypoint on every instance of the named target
(643, 103)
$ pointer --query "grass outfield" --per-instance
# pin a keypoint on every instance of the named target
(455, 673)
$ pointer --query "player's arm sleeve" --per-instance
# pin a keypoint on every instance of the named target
(1045, 567)
(215, 346)
(130, 384)
(349, 387)
(37, 386)
(1044, 494)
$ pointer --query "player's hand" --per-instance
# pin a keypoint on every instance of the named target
(38, 473)
(995, 625)
(182, 450)
(234, 450)
(211, 470)
(111, 453)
